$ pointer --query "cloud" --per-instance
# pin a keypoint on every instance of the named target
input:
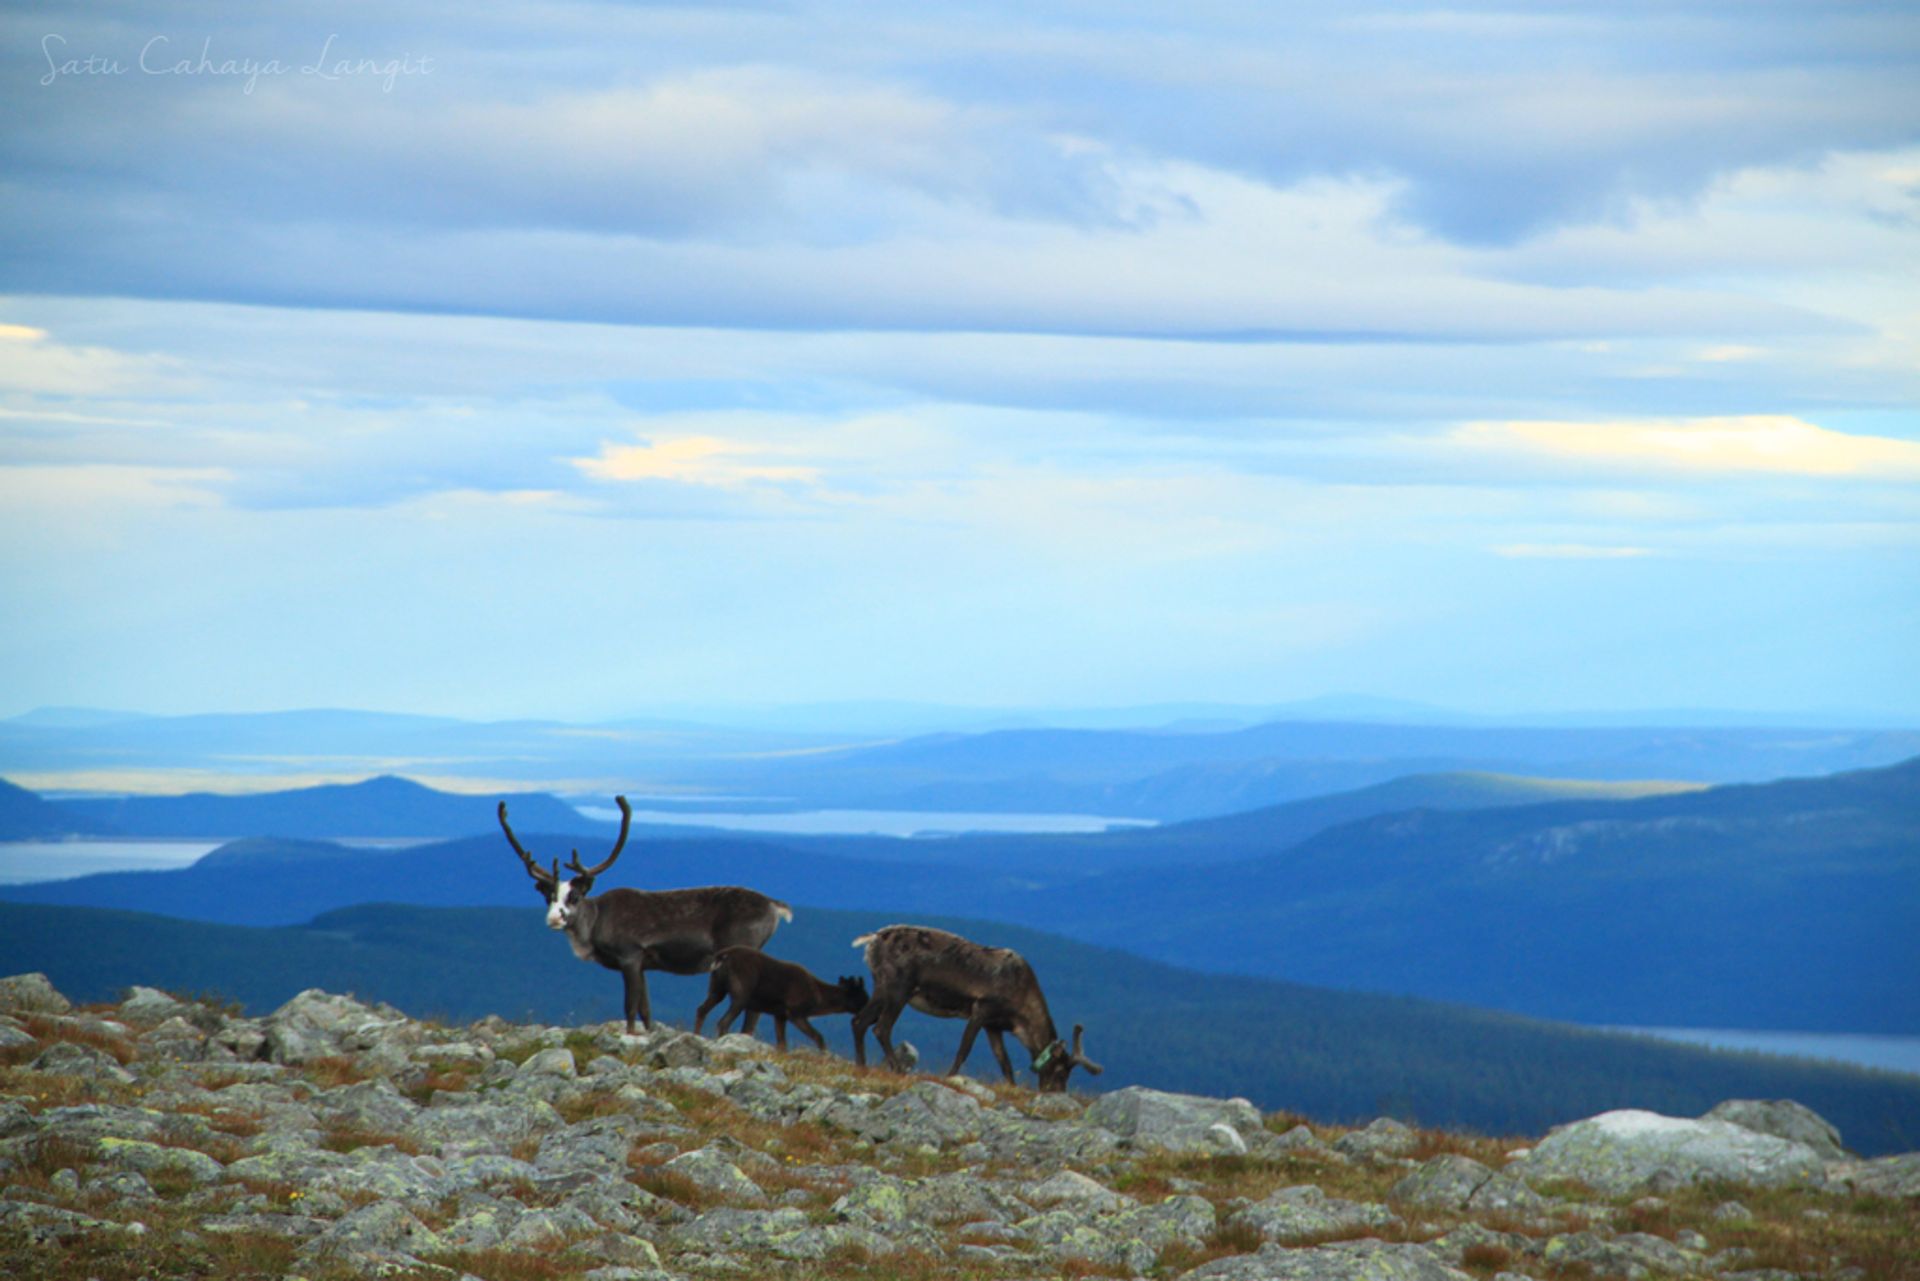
(693, 460)
(1766, 444)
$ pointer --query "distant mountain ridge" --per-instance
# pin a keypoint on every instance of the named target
(385, 806)
(1176, 771)
(1785, 905)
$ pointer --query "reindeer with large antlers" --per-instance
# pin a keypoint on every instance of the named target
(992, 988)
(634, 931)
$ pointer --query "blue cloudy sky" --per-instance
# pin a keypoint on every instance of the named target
(578, 358)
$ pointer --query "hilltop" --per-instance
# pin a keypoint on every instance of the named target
(1783, 905)
(336, 1139)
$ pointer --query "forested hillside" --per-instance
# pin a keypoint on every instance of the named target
(1332, 1055)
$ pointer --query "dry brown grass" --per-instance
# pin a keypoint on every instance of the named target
(350, 1138)
(334, 1071)
(452, 1078)
(241, 1123)
(39, 1091)
(508, 1265)
(47, 1029)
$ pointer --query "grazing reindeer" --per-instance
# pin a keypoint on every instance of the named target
(634, 931)
(760, 984)
(992, 988)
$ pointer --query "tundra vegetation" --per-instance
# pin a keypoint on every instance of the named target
(162, 1136)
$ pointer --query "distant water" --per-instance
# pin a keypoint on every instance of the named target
(1891, 1053)
(872, 822)
(22, 862)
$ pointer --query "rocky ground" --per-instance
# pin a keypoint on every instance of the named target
(163, 1138)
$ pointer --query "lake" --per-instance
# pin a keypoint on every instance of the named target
(22, 862)
(921, 823)
(1892, 1053)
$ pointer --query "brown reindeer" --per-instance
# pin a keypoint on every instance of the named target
(760, 984)
(634, 931)
(992, 988)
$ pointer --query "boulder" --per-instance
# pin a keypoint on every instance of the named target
(712, 1170)
(1075, 1191)
(1454, 1182)
(1176, 1122)
(1784, 1119)
(1342, 1261)
(69, 1058)
(930, 1113)
(382, 1230)
(1634, 1151)
(1383, 1137)
(316, 1024)
(1891, 1176)
(31, 994)
(1302, 1212)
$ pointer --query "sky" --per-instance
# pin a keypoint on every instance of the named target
(576, 359)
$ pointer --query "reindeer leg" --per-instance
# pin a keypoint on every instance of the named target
(811, 1031)
(780, 1031)
(753, 1022)
(867, 1017)
(637, 1003)
(996, 1041)
(716, 992)
(883, 1033)
(726, 1020)
(966, 1044)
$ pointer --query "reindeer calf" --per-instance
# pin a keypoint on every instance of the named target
(760, 984)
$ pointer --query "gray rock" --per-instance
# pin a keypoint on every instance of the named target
(1633, 1255)
(1891, 1176)
(373, 1106)
(318, 1024)
(475, 1128)
(13, 1037)
(31, 994)
(1303, 1212)
(69, 1058)
(1784, 1119)
(1185, 1219)
(1632, 1151)
(540, 1231)
(557, 1062)
(1342, 1261)
(1452, 1247)
(682, 1050)
(1176, 1122)
(151, 1159)
(878, 1202)
(1074, 1191)
(1384, 1137)
(711, 1170)
(960, 1198)
(382, 1230)
(1454, 1182)
(150, 1005)
(730, 1230)
(930, 1113)
(174, 1039)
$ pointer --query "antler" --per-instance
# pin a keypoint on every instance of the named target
(626, 821)
(534, 870)
(1079, 1035)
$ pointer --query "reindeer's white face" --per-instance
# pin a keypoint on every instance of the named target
(564, 903)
